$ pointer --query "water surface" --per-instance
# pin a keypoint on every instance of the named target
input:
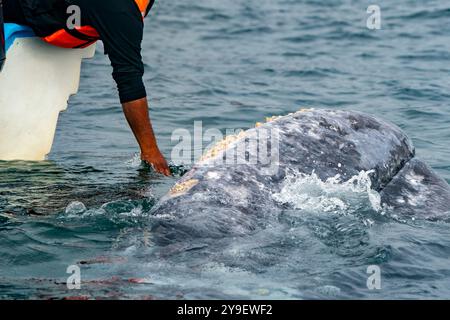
(230, 64)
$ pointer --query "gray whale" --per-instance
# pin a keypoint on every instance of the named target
(213, 199)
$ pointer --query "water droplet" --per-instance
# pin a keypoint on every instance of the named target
(76, 207)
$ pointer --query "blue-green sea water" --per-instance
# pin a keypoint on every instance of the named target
(229, 64)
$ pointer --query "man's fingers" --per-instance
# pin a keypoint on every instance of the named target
(163, 169)
(166, 171)
(159, 164)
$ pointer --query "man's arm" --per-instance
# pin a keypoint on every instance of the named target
(120, 26)
(138, 118)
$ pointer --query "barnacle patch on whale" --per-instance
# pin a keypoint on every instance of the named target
(183, 187)
(222, 145)
(225, 143)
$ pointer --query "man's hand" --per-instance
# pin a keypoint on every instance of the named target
(138, 118)
(157, 161)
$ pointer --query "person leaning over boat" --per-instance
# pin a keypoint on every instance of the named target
(119, 24)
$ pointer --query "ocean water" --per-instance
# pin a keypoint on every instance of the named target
(229, 65)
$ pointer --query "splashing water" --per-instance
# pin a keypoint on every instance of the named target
(75, 208)
(134, 162)
(310, 194)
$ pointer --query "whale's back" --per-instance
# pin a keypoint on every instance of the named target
(325, 143)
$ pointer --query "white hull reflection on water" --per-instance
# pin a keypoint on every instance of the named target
(229, 65)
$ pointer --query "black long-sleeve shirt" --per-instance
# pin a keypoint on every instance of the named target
(119, 24)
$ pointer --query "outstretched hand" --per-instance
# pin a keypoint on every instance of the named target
(137, 116)
(158, 162)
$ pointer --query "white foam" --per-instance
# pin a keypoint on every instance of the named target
(134, 162)
(309, 193)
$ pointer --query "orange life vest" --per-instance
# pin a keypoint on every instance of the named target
(82, 37)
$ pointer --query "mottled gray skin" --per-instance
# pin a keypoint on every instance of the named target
(416, 191)
(237, 199)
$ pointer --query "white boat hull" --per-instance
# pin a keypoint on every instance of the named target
(35, 85)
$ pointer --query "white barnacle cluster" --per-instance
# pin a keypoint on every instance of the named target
(183, 187)
(275, 118)
(224, 144)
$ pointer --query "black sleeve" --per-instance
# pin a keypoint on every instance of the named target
(121, 30)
